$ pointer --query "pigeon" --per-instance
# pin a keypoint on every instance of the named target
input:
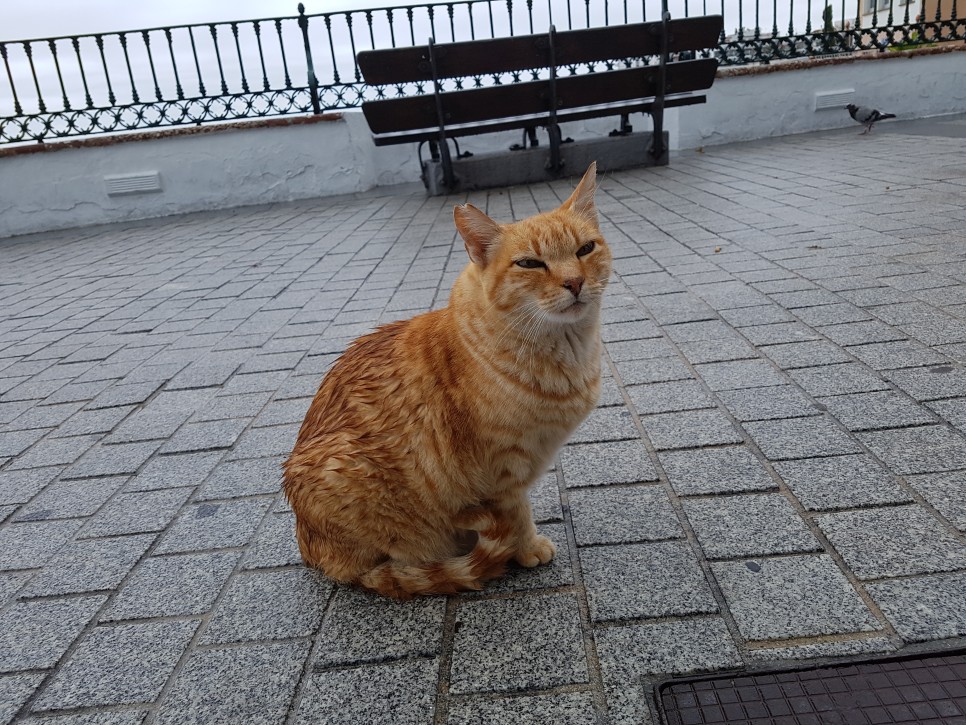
(867, 116)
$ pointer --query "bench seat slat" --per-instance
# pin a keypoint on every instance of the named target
(519, 122)
(521, 99)
(528, 52)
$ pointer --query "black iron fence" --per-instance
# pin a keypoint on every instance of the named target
(193, 74)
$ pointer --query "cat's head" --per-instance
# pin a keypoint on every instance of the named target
(552, 267)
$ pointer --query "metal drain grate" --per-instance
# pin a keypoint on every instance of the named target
(928, 689)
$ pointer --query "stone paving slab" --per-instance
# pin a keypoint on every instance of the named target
(775, 471)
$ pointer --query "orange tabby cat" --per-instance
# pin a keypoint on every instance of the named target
(426, 434)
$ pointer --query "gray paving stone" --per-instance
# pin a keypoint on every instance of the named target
(69, 499)
(598, 464)
(269, 605)
(832, 314)
(274, 545)
(800, 438)
(20, 486)
(929, 449)
(630, 653)
(15, 690)
(263, 442)
(201, 376)
(133, 513)
(669, 397)
(699, 331)
(36, 634)
(124, 395)
(638, 330)
(283, 411)
(613, 515)
(54, 452)
(116, 460)
(214, 526)
(362, 627)
(898, 354)
(779, 401)
(558, 573)
(644, 580)
(253, 684)
(748, 525)
(876, 411)
(224, 407)
(91, 565)
(854, 648)
(930, 383)
(946, 492)
(568, 708)
(740, 374)
(923, 608)
(506, 645)
(545, 499)
(209, 436)
(30, 545)
(862, 333)
(730, 469)
(786, 597)
(163, 586)
(243, 478)
(789, 356)
(174, 471)
(407, 694)
(895, 541)
(605, 424)
(709, 351)
(90, 422)
(15, 442)
(953, 411)
(755, 316)
(689, 429)
(118, 664)
(840, 379)
(639, 349)
(654, 370)
(779, 333)
(146, 425)
(839, 482)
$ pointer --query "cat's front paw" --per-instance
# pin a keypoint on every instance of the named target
(540, 550)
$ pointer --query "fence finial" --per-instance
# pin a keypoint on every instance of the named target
(301, 9)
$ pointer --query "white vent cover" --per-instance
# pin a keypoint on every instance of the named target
(834, 99)
(133, 183)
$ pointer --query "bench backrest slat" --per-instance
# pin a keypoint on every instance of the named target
(526, 52)
(522, 99)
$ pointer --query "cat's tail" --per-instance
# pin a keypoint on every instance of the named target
(487, 560)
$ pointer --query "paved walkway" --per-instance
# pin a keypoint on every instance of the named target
(777, 469)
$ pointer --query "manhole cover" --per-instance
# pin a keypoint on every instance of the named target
(927, 689)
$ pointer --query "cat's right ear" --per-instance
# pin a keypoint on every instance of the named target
(480, 233)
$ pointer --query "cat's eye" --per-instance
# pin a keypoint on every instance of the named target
(530, 263)
(586, 249)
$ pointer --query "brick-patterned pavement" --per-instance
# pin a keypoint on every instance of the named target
(776, 471)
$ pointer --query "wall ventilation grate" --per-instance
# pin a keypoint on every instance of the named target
(133, 183)
(834, 99)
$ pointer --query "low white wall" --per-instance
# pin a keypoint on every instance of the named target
(782, 102)
(238, 166)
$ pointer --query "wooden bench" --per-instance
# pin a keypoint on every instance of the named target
(589, 73)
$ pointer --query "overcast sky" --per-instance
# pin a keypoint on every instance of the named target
(46, 18)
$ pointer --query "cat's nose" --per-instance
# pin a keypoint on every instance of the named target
(574, 284)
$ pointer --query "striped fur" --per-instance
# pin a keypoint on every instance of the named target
(411, 469)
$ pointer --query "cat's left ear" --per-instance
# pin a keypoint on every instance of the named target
(582, 200)
(480, 233)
